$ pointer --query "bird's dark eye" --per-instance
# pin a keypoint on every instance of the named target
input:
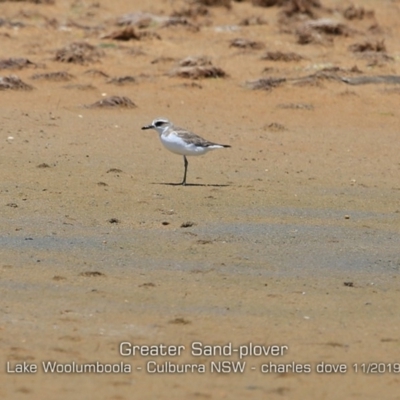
(159, 123)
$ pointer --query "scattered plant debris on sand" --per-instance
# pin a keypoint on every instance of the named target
(292, 8)
(268, 3)
(197, 68)
(91, 274)
(253, 20)
(139, 19)
(375, 52)
(354, 69)
(328, 26)
(275, 127)
(192, 85)
(32, 1)
(296, 106)
(192, 61)
(16, 63)
(364, 80)
(299, 4)
(97, 72)
(113, 102)
(376, 29)
(280, 56)
(121, 80)
(181, 21)
(265, 83)
(79, 53)
(13, 82)
(148, 285)
(353, 12)
(306, 35)
(204, 241)
(60, 76)
(293, 11)
(320, 31)
(246, 44)
(192, 11)
(187, 224)
(127, 33)
(89, 29)
(79, 86)
(142, 20)
(150, 35)
(198, 72)
(179, 321)
(214, 3)
(296, 16)
(326, 74)
(377, 47)
(163, 59)
(130, 33)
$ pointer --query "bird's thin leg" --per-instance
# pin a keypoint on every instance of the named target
(184, 175)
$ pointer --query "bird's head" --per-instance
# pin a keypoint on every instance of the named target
(158, 124)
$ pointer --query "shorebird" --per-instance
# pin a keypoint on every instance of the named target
(181, 141)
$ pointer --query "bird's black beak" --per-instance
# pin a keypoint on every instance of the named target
(147, 127)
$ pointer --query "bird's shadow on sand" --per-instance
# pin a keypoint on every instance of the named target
(190, 184)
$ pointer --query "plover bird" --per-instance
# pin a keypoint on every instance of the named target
(181, 141)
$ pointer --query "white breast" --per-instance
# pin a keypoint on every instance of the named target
(178, 146)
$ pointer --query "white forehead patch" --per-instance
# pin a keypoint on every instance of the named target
(160, 122)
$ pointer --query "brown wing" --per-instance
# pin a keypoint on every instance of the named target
(192, 138)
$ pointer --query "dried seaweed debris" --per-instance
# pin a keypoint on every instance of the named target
(280, 56)
(243, 43)
(197, 68)
(59, 76)
(78, 53)
(265, 83)
(16, 63)
(113, 102)
(13, 82)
